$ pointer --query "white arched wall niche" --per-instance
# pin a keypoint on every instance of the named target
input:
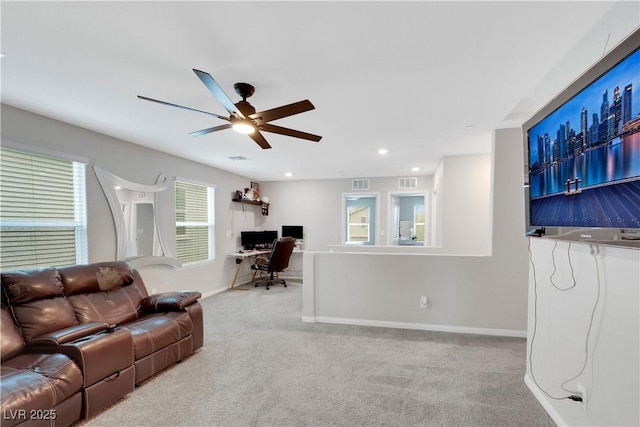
(109, 182)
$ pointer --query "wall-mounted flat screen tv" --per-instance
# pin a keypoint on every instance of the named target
(584, 148)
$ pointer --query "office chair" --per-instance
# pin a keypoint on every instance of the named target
(278, 260)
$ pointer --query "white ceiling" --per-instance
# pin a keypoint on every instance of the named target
(407, 76)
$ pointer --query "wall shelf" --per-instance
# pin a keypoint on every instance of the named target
(265, 206)
(248, 202)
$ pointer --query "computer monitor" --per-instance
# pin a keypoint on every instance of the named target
(257, 239)
(294, 231)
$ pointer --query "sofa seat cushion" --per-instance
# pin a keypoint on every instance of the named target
(33, 381)
(154, 332)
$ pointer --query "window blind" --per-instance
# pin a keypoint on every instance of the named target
(194, 222)
(42, 211)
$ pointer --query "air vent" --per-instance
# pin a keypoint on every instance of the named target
(142, 194)
(406, 183)
(236, 158)
(360, 184)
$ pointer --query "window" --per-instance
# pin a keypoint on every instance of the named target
(43, 220)
(195, 225)
(358, 230)
(359, 216)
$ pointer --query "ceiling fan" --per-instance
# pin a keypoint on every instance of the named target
(243, 117)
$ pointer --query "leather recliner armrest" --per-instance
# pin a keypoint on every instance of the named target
(69, 334)
(169, 301)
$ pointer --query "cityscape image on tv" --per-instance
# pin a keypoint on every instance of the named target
(584, 158)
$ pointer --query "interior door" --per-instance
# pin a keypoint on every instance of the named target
(145, 229)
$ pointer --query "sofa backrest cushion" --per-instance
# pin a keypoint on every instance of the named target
(38, 301)
(102, 292)
(34, 284)
(11, 342)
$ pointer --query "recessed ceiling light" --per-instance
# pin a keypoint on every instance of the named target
(416, 169)
(288, 174)
(469, 127)
(383, 151)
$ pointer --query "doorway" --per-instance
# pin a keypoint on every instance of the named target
(408, 219)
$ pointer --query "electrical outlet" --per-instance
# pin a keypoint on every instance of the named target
(424, 301)
(582, 391)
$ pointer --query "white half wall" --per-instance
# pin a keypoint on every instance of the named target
(467, 293)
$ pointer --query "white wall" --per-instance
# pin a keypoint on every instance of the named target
(465, 198)
(317, 205)
(139, 164)
(468, 293)
(607, 283)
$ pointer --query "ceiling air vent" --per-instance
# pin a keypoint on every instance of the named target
(406, 183)
(360, 184)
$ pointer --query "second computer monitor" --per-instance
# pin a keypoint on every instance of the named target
(294, 231)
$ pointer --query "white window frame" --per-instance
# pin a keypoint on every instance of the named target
(79, 223)
(390, 214)
(376, 223)
(210, 220)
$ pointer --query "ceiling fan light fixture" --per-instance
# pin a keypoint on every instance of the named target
(244, 127)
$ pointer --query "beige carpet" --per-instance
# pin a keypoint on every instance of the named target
(261, 366)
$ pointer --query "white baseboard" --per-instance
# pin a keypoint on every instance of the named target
(417, 326)
(539, 395)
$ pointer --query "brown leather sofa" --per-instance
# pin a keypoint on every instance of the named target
(77, 339)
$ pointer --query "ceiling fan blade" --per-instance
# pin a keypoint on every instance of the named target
(210, 130)
(290, 132)
(182, 107)
(259, 139)
(284, 111)
(217, 91)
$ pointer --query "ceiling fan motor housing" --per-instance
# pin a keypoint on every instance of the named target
(245, 90)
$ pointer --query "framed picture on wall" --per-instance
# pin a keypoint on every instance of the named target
(256, 187)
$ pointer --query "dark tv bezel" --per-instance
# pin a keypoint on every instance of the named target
(597, 234)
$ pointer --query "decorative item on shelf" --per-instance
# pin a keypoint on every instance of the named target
(256, 188)
(252, 194)
(265, 206)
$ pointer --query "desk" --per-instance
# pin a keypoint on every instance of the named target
(240, 257)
